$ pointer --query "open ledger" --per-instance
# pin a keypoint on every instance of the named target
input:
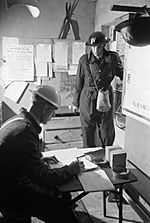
(88, 164)
(92, 181)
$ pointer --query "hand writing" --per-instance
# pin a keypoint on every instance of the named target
(77, 167)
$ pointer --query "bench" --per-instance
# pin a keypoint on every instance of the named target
(139, 191)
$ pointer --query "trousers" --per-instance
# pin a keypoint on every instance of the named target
(38, 202)
(100, 129)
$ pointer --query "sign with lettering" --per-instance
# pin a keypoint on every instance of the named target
(137, 91)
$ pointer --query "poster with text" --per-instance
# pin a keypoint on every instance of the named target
(137, 84)
(19, 62)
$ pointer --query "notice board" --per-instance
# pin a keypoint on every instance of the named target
(43, 61)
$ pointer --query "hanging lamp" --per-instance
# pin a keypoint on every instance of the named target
(32, 5)
(135, 31)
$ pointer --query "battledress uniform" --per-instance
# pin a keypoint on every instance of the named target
(102, 71)
(27, 183)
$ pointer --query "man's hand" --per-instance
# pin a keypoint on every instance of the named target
(77, 167)
(75, 109)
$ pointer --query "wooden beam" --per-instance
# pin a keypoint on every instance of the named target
(124, 8)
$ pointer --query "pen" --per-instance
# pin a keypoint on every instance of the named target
(78, 158)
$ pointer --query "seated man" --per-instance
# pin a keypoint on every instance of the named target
(27, 183)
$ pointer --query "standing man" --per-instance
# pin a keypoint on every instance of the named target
(96, 71)
(27, 183)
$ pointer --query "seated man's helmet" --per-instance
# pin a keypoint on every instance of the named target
(49, 94)
(96, 39)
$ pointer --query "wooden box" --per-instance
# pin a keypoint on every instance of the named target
(62, 133)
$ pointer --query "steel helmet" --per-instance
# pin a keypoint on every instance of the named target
(49, 94)
(96, 39)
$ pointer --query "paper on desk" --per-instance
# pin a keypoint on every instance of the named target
(71, 153)
(88, 164)
(68, 154)
(93, 181)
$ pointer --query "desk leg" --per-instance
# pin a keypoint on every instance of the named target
(78, 197)
(104, 203)
(120, 203)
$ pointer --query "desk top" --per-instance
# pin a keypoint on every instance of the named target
(100, 178)
(75, 185)
(72, 185)
(116, 181)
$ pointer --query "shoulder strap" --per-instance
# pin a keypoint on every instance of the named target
(10, 121)
(93, 77)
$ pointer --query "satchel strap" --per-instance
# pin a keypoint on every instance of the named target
(93, 77)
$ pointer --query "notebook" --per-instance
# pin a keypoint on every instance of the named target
(88, 164)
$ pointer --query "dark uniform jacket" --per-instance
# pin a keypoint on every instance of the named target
(21, 166)
(102, 71)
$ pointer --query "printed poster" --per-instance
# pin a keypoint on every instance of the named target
(137, 84)
(19, 62)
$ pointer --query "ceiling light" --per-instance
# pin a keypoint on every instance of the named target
(32, 5)
(135, 31)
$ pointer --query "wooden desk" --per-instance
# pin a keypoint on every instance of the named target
(74, 185)
(119, 184)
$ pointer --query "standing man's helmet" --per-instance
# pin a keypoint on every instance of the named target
(49, 94)
(96, 39)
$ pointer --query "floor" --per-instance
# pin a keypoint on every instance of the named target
(94, 203)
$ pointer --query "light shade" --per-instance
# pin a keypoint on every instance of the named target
(135, 31)
(32, 5)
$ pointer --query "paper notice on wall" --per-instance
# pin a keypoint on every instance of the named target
(61, 55)
(44, 53)
(19, 62)
(8, 41)
(78, 49)
(41, 69)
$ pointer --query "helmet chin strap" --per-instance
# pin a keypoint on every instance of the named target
(34, 116)
(100, 56)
